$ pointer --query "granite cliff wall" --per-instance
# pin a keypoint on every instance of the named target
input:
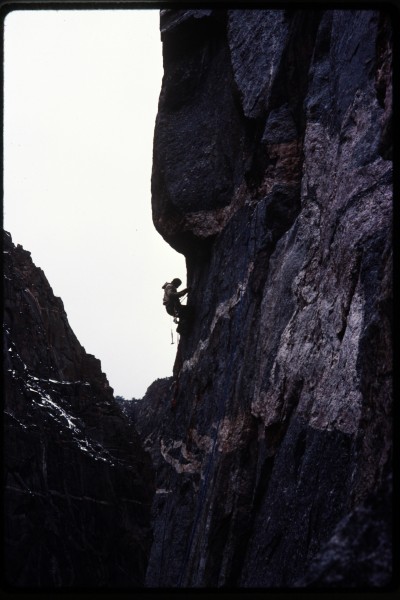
(272, 174)
(78, 487)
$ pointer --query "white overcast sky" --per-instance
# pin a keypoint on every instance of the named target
(81, 91)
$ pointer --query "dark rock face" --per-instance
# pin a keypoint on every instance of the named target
(78, 486)
(154, 418)
(272, 174)
(347, 557)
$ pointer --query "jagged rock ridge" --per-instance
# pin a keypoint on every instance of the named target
(78, 486)
(272, 173)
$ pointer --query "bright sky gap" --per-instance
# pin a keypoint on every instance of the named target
(81, 92)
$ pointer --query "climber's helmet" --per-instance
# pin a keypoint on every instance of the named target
(176, 282)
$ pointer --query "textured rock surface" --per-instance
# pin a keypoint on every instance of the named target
(272, 174)
(154, 418)
(78, 486)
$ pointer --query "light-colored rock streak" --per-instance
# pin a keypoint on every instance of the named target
(192, 465)
(222, 312)
(231, 433)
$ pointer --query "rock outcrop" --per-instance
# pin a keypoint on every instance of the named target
(78, 486)
(272, 173)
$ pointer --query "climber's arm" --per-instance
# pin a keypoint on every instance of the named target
(183, 292)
